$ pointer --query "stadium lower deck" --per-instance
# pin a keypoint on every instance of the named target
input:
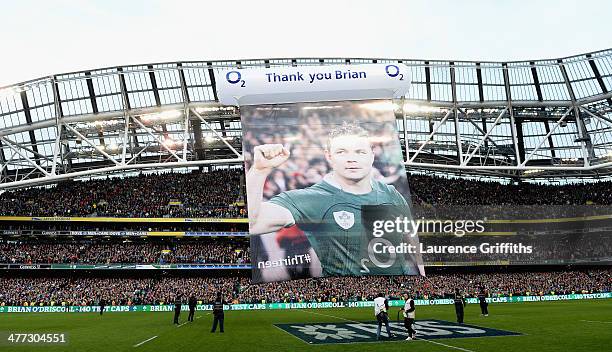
(48, 261)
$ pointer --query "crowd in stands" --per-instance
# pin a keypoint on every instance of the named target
(456, 191)
(207, 194)
(217, 194)
(436, 286)
(127, 252)
(68, 227)
(128, 291)
(545, 249)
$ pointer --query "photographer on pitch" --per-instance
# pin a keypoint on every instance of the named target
(408, 312)
(381, 308)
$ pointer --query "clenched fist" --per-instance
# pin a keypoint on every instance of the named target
(269, 156)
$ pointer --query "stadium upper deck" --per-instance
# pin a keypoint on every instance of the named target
(527, 119)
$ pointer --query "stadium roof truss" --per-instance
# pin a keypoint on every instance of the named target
(528, 119)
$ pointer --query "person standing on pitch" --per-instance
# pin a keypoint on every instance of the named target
(177, 309)
(218, 313)
(192, 307)
(408, 311)
(381, 306)
(102, 305)
(482, 299)
(459, 305)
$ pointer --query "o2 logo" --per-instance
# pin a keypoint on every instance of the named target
(234, 77)
(394, 71)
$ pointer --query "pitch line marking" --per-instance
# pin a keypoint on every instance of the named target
(199, 316)
(287, 332)
(145, 341)
(597, 321)
(154, 337)
(358, 322)
(445, 345)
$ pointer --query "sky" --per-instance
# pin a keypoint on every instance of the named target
(45, 37)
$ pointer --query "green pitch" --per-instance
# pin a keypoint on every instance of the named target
(545, 326)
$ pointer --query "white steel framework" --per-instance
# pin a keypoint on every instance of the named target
(532, 119)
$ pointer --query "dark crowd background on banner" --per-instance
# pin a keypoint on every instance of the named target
(304, 129)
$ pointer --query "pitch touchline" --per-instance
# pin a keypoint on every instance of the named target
(354, 321)
(145, 341)
(597, 321)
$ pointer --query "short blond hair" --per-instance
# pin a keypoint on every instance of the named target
(346, 129)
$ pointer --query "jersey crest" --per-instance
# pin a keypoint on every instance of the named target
(344, 219)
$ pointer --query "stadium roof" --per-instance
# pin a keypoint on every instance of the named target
(524, 119)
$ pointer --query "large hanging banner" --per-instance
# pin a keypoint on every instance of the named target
(327, 191)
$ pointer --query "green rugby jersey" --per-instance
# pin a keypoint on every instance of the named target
(332, 220)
